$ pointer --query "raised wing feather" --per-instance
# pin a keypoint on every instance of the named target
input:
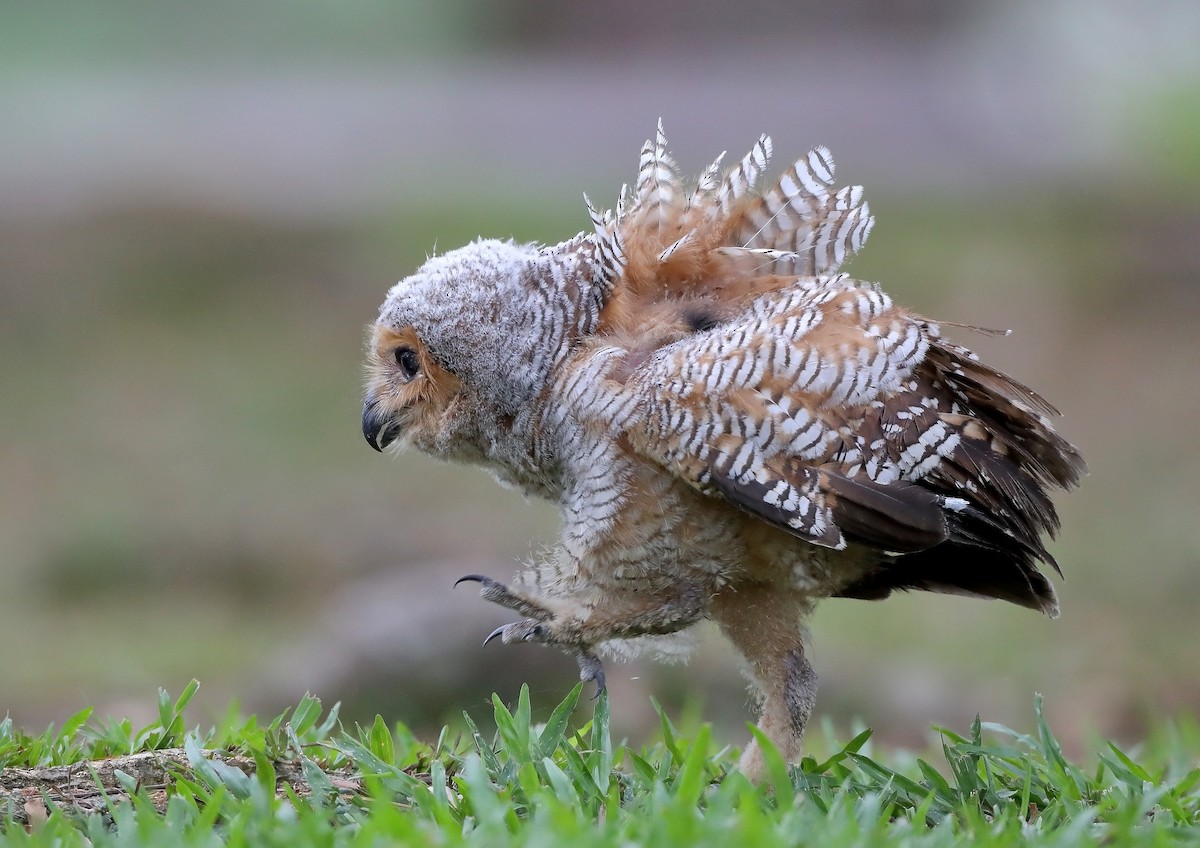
(670, 243)
(805, 216)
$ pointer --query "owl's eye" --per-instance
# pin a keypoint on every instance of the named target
(408, 361)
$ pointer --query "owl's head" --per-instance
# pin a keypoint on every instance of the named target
(462, 347)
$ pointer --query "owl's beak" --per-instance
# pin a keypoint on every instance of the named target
(379, 428)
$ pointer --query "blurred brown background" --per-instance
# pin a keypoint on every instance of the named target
(202, 205)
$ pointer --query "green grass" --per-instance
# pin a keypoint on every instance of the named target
(553, 783)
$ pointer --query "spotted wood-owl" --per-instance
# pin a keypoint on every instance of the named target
(731, 428)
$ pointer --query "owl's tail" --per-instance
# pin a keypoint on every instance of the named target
(980, 559)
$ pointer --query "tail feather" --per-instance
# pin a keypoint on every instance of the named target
(961, 570)
(981, 558)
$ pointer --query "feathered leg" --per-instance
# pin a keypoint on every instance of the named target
(578, 624)
(764, 624)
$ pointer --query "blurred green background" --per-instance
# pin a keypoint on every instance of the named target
(202, 205)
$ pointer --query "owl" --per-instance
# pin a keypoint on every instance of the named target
(731, 427)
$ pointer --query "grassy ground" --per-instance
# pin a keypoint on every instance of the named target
(303, 778)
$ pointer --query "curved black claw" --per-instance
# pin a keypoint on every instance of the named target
(526, 630)
(498, 593)
(590, 668)
(499, 631)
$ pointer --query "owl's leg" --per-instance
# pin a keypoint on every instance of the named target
(581, 624)
(614, 615)
(764, 624)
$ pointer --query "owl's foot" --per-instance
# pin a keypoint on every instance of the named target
(591, 669)
(498, 593)
(540, 628)
(544, 633)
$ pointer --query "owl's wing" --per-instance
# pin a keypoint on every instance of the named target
(761, 376)
(739, 360)
(782, 413)
(830, 412)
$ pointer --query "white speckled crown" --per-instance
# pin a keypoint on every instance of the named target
(493, 312)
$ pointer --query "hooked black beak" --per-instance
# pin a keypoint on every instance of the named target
(380, 430)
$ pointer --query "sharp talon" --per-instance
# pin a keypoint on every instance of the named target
(498, 593)
(600, 687)
(499, 631)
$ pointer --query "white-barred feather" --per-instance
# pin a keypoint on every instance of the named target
(740, 180)
(657, 182)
